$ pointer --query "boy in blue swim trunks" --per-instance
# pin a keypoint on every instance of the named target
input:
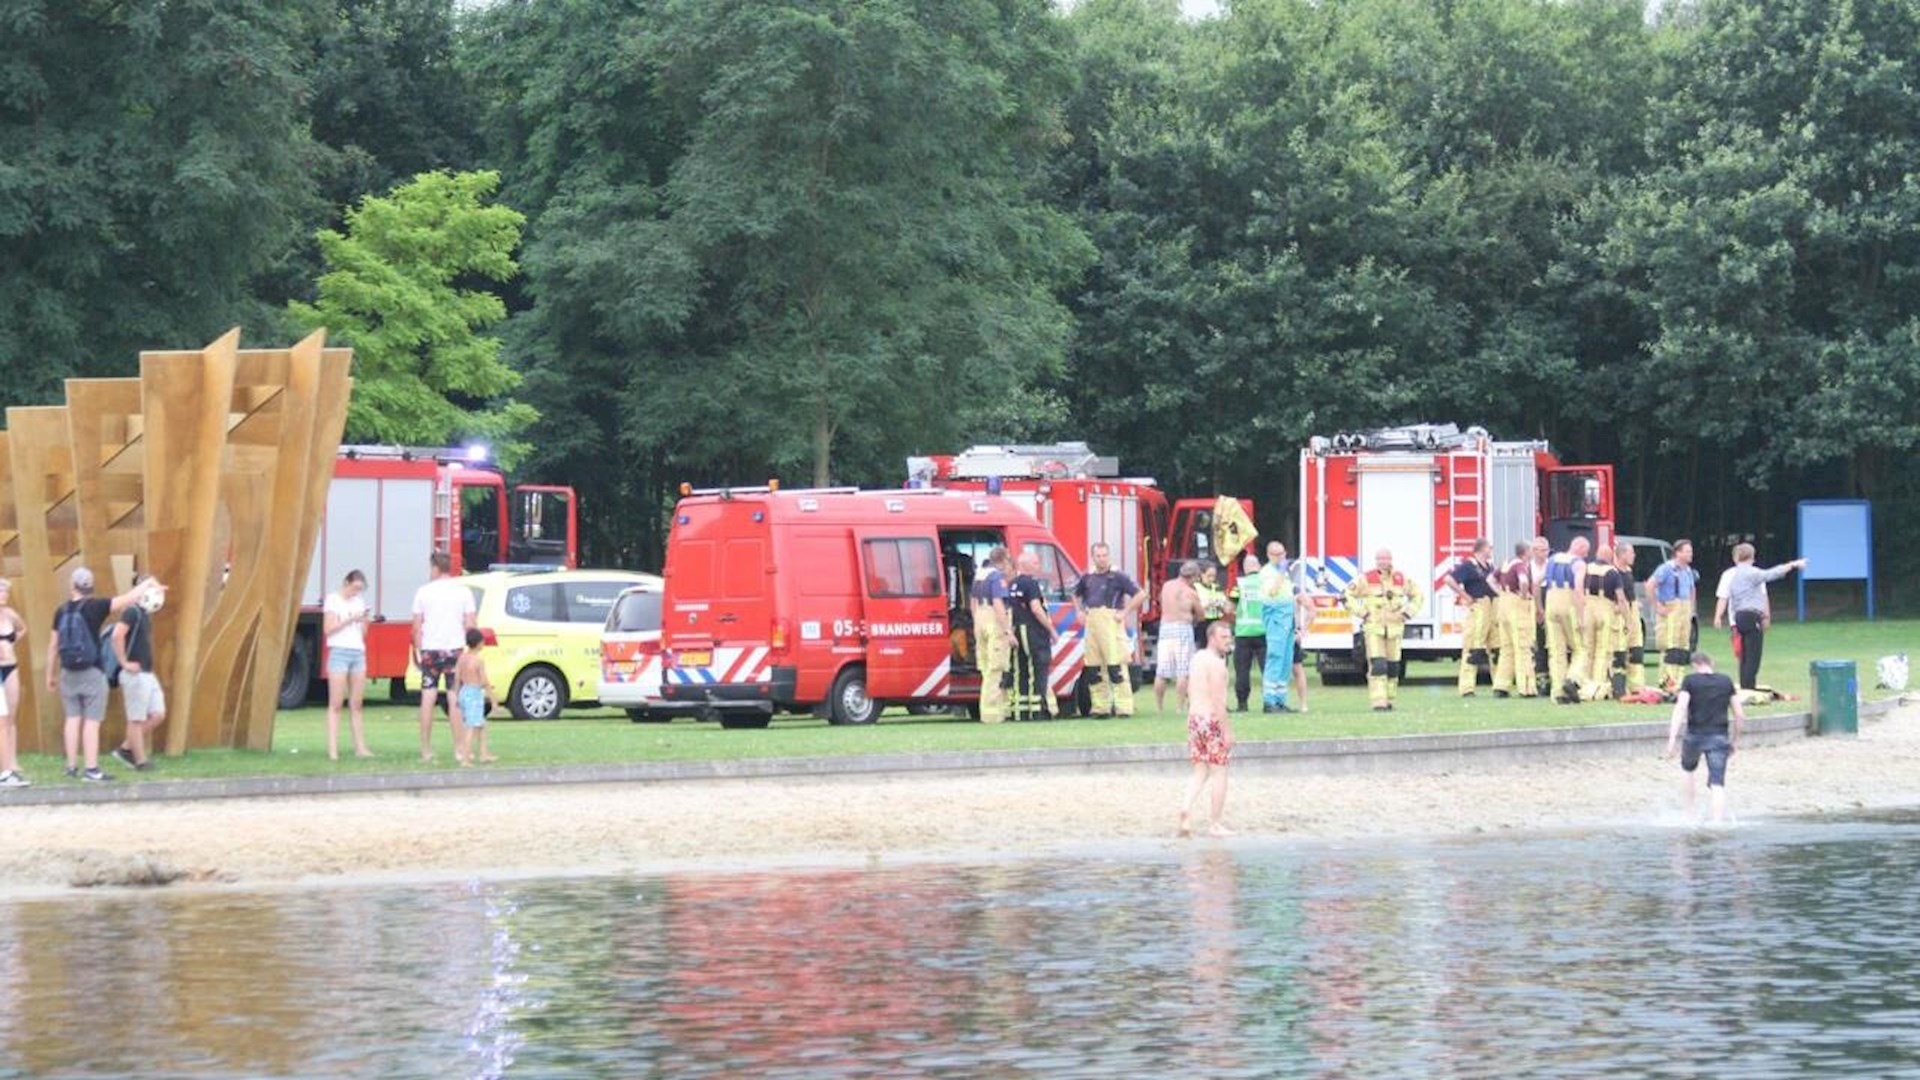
(476, 701)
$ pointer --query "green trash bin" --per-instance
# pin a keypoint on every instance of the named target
(1836, 698)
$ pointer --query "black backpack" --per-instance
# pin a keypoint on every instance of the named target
(79, 649)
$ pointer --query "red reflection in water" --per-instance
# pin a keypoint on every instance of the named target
(784, 970)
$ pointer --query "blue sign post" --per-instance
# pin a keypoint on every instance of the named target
(1836, 539)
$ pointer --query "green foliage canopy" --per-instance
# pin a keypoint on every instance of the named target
(395, 291)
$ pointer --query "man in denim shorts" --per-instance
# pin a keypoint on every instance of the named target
(1705, 699)
(442, 614)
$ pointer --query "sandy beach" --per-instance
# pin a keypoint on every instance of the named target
(575, 829)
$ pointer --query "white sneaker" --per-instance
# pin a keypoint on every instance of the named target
(14, 779)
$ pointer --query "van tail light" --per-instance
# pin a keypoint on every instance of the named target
(488, 637)
(779, 639)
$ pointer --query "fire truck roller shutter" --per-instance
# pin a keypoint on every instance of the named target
(1396, 513)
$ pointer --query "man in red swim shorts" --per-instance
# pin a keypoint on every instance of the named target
(1209, 736)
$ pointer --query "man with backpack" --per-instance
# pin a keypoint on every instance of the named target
(75, 670)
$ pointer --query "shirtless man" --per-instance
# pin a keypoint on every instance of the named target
(1173, 651)
(1209, 733)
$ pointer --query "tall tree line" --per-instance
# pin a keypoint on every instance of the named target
(804, 238)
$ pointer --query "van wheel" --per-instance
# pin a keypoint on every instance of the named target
(648, 716)
(848, 703)
(538, 693)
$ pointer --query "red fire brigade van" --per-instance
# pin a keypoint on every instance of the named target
(1426, 493)
(389, 509)
(840, 601)
(1083, 499)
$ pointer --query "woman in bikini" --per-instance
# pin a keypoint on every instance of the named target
(13, 632)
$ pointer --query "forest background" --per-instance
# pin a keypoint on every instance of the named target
(640, 242)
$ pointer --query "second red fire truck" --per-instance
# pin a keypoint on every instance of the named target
(1425, 493)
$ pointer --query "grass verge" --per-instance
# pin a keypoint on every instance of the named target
(1428, 704)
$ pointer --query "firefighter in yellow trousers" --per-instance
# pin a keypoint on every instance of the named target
(1603, 624)
(1671, 589)
(993, 635)
(1565, 612)
(1514, 626)
(1472, 579)
(1630, 641)
(1105, 600)
(1383, 598)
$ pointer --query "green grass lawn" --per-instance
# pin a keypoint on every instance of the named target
(1427, 705)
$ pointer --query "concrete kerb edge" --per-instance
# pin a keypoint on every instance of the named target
(1300, 755)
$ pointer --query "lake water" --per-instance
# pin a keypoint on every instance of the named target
(1776, 949)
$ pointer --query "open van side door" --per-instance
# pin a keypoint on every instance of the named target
(903, 588)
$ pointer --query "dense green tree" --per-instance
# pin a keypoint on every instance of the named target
(386, 97)
(1773, 246)
(397, 289)
(855, 206)
(570, 108)
(771, 238)
(154, 162)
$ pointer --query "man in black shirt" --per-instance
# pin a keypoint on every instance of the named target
(1701, 709)
(140, 691)
(1472, 581)
(1033, 636)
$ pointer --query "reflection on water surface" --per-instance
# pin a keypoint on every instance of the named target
(1775, 950)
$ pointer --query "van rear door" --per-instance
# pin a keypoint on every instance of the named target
(908, 650)
(719, 618)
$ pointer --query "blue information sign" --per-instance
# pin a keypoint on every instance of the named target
(1836, 539)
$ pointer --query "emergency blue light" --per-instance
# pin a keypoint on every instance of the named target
(477, 452)
(993, 485)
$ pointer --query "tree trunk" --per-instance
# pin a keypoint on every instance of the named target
(822, 445)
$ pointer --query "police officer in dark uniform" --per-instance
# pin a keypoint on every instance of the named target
(1033, 636)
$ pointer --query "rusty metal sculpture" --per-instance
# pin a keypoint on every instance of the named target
(210, 472)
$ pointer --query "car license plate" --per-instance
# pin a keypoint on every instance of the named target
(623, 667)
(695, 659)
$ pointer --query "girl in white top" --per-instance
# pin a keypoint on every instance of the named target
(344, 621)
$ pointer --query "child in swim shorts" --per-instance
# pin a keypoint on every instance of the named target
(475, 700)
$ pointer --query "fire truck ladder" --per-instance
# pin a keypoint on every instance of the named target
(1466, 514)
(443, 510)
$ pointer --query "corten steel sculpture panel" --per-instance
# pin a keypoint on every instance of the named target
(210, 472)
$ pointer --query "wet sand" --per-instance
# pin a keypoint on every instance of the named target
(590, 829)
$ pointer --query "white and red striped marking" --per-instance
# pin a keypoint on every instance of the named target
(730, 665)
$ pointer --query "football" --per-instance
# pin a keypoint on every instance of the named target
(153, 600)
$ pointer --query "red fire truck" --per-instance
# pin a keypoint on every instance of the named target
(1083, 499)
(390, 508)
(1425, 493)
(840, 601)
